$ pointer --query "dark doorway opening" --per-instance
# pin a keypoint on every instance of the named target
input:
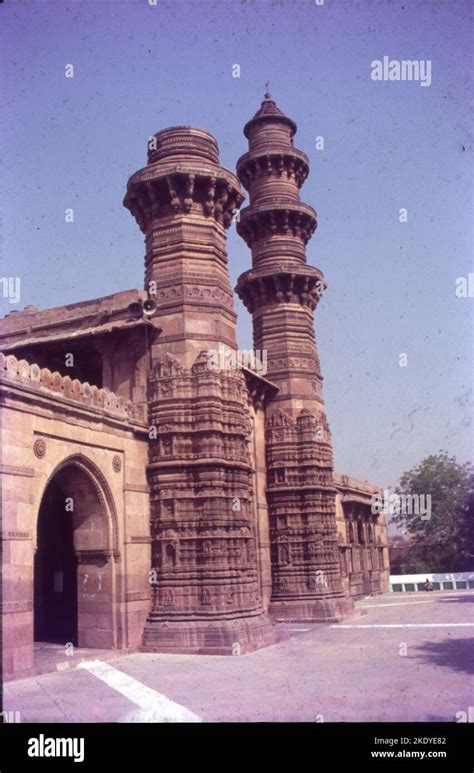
(55, 571)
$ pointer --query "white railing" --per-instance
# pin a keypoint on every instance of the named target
(415, 582)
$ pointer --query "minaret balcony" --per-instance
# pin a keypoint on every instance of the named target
(278, 162)
(284, 284)
(277, 217)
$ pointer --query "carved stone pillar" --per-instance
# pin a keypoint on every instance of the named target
(106, 347)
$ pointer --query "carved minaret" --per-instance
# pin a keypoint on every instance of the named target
(281, 291)
(206, 594)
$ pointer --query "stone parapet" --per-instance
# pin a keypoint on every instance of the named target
(54, 385)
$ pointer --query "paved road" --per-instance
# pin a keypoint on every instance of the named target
(410, 658)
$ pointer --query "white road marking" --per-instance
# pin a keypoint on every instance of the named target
(297, 630)
(157, 707)
(396, 604)
(406, 603)
(408, 625)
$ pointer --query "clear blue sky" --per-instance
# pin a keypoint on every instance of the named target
(137, 69)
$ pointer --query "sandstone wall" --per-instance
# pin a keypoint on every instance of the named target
(51, 424)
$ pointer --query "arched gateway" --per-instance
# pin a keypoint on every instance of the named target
(74, 569)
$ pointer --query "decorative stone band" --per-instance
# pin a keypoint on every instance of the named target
(92, 555)
(277, 218)
(7, 607)
(10, 469)
(22, 372)
(137, 595)
(15, 535)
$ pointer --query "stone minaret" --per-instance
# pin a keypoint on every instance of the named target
(281, 291)
(206, 594)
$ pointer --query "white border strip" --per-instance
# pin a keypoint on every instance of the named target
(407, 625)
(158, 707)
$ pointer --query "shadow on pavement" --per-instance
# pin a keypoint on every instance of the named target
(456, 654)
(458, 600)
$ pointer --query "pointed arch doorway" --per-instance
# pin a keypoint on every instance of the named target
(55, 591)
(74, 568)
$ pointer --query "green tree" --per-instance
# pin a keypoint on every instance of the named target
(444, 541)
